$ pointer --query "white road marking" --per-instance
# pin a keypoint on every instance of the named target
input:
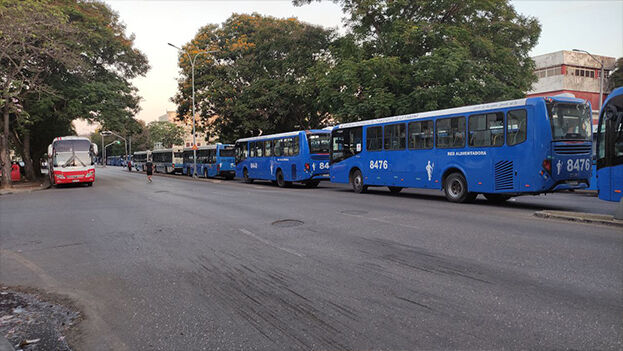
(244, 231)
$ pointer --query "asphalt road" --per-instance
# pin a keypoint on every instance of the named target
(186, 265)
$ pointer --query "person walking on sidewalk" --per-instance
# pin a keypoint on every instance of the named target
(149, 169)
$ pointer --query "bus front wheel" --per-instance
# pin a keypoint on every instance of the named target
(245, 177)
(357, 181)
(455, 188)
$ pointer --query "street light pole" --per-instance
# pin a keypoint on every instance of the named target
(108, 132)
(601, 76)
(104, 152)
(192, 68)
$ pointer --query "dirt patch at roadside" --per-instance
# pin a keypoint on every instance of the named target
(32, 320)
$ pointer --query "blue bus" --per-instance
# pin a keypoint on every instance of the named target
(301, 156)
(215, 160)
(610, 148)
(114, 160)
(500, 150)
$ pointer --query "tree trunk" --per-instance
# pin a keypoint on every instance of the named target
(5, 161)
(26, 157)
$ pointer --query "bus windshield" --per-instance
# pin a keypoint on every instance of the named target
(570, 121)
(72, 153)
(319, 143)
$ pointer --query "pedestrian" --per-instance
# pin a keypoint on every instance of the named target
(129, 166)
(149, 169)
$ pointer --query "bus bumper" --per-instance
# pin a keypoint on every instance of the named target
(74, 177)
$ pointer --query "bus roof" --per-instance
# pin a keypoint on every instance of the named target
(281, 135)
(456, 110)
(71, 137)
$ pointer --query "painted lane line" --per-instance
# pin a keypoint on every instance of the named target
(248, 233)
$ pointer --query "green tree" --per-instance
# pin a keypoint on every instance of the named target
(406, 56)
(254, 84)
(89, 79)
(167, 133)
(615, 80)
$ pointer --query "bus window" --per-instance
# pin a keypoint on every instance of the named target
(252, 149)
(227, 151)
(486, 129)
(570, 121)
(287, 146)
(421, 135)
(241, 151)
(278, 147)
(374, 138)
(451, 132)
(395, 137)
(259, 149)
(516, 127)
(345, 143)
(268, 148)
(319, 143)
(295, 146)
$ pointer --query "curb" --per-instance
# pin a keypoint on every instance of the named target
(581, 217)
(45, 185)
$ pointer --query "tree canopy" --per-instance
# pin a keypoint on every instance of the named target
(62, 60)
(254, 83)
(407, 56)
(166, 133)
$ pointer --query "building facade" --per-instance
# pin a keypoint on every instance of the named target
(170, 116)
(571, 72)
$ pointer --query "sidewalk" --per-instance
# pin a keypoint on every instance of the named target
(580, 217)
(27, 186)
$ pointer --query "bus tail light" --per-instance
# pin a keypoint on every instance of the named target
(307, 167)
(547, 165)
(218, 167)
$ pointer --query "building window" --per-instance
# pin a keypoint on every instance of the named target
(187, 144)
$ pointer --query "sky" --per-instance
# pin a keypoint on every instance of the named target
(595, 26)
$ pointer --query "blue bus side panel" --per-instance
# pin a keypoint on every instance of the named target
(610, 183)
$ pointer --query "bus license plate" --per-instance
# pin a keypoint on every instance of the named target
(75, 180)
(573, 182)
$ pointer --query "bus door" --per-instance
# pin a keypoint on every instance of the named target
(610, 148)
(394, 166)
(512, 157)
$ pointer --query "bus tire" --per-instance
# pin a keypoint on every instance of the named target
(312, 183)
(229, 177)
(395, 189)
(245, 176)
(455, 187)
(497, 198)
(281, 180)
(356, 179)
(90, 184)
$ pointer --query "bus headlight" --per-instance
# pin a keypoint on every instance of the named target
(89, 174)
(59, 176)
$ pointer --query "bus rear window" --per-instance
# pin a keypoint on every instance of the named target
(228, 152)
(570, 121)
(319, 143)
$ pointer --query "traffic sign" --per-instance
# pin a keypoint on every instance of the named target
(194, 147)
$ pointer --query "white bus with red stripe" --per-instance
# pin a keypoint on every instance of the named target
(71, 160)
